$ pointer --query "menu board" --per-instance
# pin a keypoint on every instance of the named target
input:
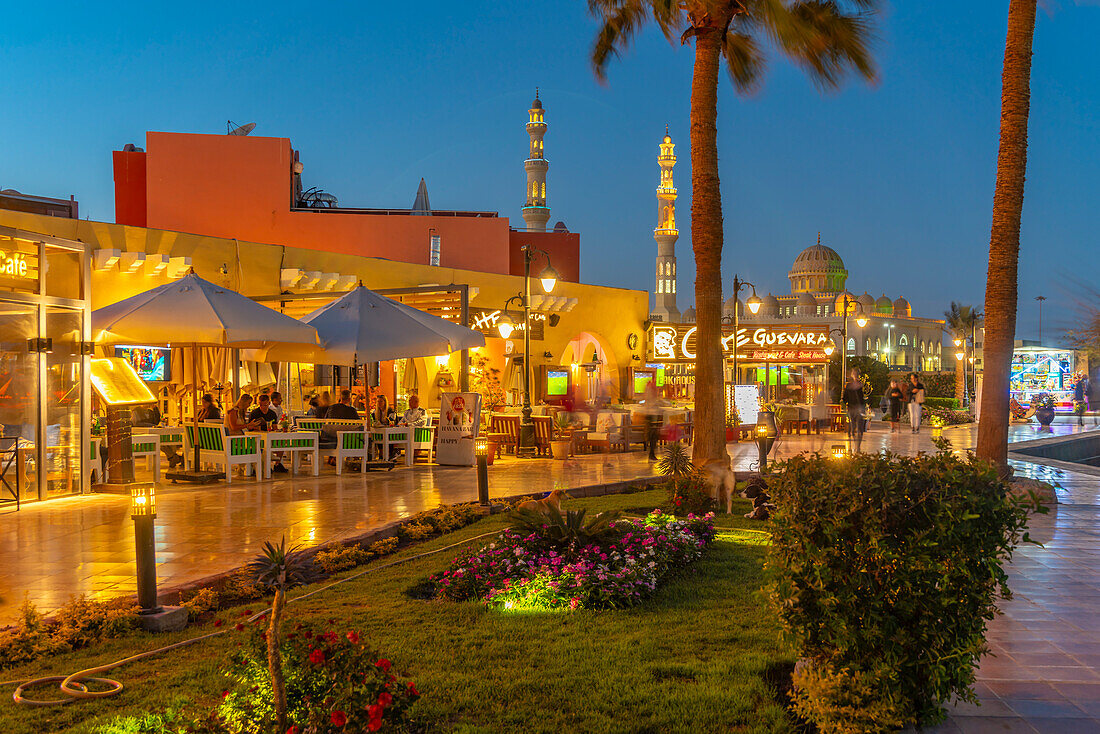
(1042, 370)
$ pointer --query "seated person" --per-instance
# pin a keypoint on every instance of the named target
(415, 415)
(324, 402)
(264, 413)
(145, 416)
(208, 410)
(340, 411)
(277, 404)
(236, 418)
(382, 415)
(314, 404)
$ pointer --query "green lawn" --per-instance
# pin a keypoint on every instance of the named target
(696, 657)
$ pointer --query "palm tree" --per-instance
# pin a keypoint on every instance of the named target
(961, 322)
(1004, 238)
(278, 569)
(826, 38)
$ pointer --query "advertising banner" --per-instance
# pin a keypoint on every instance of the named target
(459, 419)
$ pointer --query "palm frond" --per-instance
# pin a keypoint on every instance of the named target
(277, 566)
(744, 61)
(823, 38)
(675, 461)
(620, 20)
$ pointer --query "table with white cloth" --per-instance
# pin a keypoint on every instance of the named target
(386, 436)
(292, 442)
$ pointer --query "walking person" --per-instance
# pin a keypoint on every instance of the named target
(894, 396)
(916, 401)
(857, 406)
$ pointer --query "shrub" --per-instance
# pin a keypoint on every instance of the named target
(201, 602)
(845, 701)
(939, 417)
(414, 531)
(569, 528)
(885, 571)
(675, 461)
(335, 683)
(84, 621)
(940, 385)
(342, 557)
(29, 640)
(240, 586)
(689, 495)
(951, 403)
(385, 546)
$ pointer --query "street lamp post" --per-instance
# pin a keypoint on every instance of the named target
(861, 320)
(960, 355)
(505, 326)
(753, 304)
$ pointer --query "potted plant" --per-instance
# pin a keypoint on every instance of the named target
(1043, 404)
(561, 445)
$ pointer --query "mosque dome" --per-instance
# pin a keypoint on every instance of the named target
(818, 269)
(868, 302)
(884, 305)
(902, 308)
(688, 316)
(727, 307)
(537, 104)
(806, 305)
(769, 305)
(839, 304)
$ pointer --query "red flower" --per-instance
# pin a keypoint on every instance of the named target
(339, 718)
(374, 725)
(292, 730)
(384, 699)
(375, 711)
(330, 638)
(317, 657)
(246, 613)
(217, 623)
(384, 664)
(353, 638)
(412, 689)
(308, 635)
(225, 694)
(239, 627)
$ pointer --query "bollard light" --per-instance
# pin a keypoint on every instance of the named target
(481, 451)
(143, 511)
(839, 451)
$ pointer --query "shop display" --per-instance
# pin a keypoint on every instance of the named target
(1035, 371)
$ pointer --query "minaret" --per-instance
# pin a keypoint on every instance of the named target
(535, 213)
(666, 234)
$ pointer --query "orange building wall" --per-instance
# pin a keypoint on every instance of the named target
(129, 171)
(242, 188)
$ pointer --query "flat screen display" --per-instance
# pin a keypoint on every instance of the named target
(153, 364)
(557, 383)
(641, 382)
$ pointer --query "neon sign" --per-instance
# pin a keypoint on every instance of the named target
(762, 343)
(14, 265)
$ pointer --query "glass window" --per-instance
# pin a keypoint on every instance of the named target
(64, 411)
(18, 265)
(63, 273)
(19, 393)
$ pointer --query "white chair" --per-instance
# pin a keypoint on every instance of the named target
(352, 445)
(423, 439)
(95, 463)
(148, 447)
(217, 448)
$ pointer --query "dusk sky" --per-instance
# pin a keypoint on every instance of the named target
(898, 176)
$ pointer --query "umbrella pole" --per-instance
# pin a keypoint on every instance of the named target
(195, 417)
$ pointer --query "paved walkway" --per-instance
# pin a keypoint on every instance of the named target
(1043, 674)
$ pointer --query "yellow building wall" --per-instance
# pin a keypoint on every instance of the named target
(602, 314)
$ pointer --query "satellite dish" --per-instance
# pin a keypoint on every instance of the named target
(240, 129)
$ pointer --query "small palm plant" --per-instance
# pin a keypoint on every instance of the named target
(676, 461)
(279, 569)
(562, 529)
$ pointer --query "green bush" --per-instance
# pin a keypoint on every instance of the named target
(385, 546)
(690, 494)
(885, 570)
(201, 602)
(939, 384)
(77, 624)
(951, 403)
(342, 557)
(877, 374)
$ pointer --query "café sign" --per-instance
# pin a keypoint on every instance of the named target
(764, 343)
(14, 265)
(485, 321)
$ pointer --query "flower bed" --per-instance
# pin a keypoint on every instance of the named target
(528, 571)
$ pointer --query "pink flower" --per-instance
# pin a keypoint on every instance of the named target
(317, 657)
(339, 718)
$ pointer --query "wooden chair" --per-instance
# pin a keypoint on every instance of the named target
(217, 448)
(507, 426)
(544, 431)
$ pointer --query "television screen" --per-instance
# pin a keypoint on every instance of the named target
(557, 383)
(153, 364)
(641, 382)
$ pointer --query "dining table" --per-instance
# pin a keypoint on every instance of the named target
(386, 436)
(292, 442)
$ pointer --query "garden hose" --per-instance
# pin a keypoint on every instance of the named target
(73, 686)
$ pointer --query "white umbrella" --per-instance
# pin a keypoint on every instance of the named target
(364, 326)
(199, 313)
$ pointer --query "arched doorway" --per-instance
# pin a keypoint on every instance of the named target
(595, 370)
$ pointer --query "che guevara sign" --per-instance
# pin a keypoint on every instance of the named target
(788, 343)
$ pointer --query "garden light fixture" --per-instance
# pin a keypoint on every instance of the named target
(839, 451)
(481, 451)
(143, 511)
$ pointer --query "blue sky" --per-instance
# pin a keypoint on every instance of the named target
(898, 176)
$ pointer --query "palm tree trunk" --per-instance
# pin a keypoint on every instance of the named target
(960, 380)
(1004, 240)
(709, 446)
(275, 661)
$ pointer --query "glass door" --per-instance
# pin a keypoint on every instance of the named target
(64, 408)
(19, 392)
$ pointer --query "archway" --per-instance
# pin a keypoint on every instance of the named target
(595, 370)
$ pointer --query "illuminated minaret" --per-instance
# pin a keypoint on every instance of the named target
(535, 213)
(666, 234)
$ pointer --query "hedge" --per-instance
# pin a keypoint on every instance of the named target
(952, 403)
(885, 571)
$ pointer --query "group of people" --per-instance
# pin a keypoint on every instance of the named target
(909, 393)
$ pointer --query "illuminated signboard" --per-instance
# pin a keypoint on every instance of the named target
(485, 321)
(767, 343)
(19, 267)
